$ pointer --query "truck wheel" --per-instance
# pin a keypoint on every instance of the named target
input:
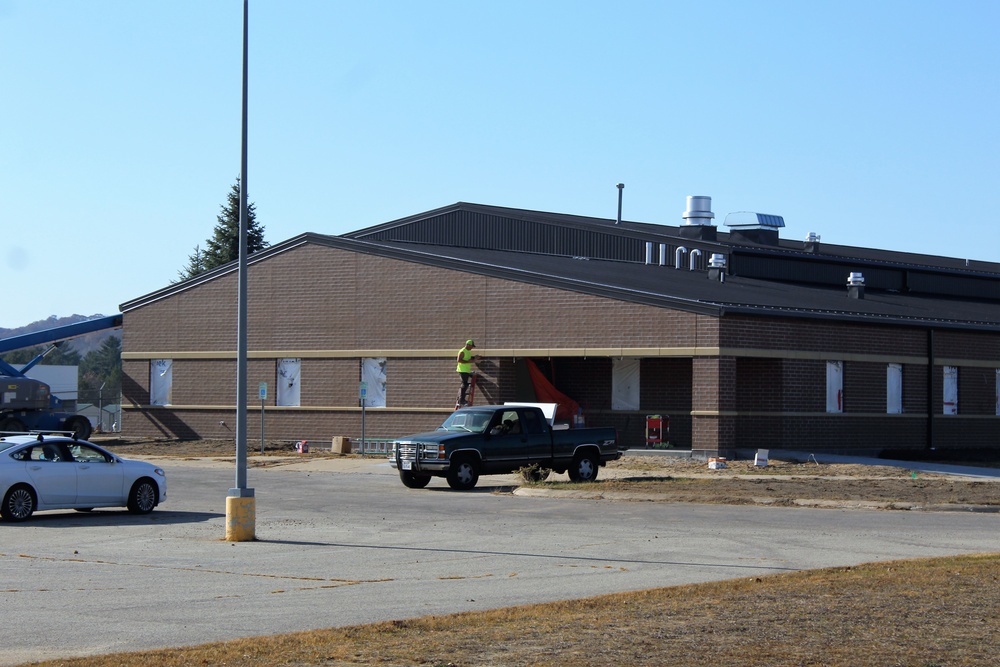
(12, 426)
(584, 468)
(463, 474)
(18, 504)
(413, 481)
(80, 427)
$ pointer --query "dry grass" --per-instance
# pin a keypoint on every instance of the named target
(921, 613)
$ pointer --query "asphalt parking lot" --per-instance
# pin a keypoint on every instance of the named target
(345, 543)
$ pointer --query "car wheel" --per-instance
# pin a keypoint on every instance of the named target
(414, 481)
(12, 426)
(584, 468)
(18, 504)
(79, 426)
(463, 474)
(142, 497)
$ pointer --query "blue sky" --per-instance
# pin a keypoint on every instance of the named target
(870, 123)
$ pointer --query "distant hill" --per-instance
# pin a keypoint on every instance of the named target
(82, 344)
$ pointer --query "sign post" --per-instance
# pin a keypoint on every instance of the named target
(363, 394)
(263, 397)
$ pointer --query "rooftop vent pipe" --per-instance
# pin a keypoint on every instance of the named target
(679, 255)
(695, 254)
(855, 286)
(812, 242)
(717, 267)
(699, 211)
(620, 186)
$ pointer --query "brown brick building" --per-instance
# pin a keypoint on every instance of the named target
(744, 339)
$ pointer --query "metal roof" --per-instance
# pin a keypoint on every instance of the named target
(597, 256)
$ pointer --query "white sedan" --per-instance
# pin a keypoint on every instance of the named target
(47, 472)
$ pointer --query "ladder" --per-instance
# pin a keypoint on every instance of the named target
(472, 393)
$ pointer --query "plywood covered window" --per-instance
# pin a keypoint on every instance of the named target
(289, 382)
(373, 375)
(950, 390)
(161, 380)
(894, 389)
(835, 386)
(625, 384)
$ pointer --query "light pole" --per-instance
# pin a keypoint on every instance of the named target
(240, 503)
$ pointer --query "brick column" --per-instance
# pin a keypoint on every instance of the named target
(713, 406)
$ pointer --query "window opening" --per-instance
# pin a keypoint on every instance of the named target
(373, 375)
(625, 384)
(894, 389)
(834, 386)
(289, 382)
(950, 406)
(161, 380)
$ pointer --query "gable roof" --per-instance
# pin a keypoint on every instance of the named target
(599, 257)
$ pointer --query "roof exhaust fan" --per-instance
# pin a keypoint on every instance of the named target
(812, 242)
(699, 211)
(855, 286)
(717, 267)
(698, 219)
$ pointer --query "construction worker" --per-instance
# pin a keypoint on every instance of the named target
(464, 369)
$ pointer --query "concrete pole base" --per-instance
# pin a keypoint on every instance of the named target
(241, 519)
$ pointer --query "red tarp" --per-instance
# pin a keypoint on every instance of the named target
(566, 408)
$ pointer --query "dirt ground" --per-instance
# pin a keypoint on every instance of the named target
(673, 479)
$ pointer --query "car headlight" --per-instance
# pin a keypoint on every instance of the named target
(159, 471)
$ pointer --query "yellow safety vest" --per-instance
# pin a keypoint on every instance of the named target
(465, 366)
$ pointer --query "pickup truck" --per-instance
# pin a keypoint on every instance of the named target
(501, 439)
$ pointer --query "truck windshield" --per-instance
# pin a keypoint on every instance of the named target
(471, 421)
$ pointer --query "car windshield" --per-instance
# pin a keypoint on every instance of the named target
(472, 421)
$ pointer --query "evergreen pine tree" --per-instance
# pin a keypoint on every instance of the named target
(224, 245)
(103, 366)
(196, 264)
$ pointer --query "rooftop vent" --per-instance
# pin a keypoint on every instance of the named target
(855, 286)
(756, 228)
(717, 267)
(812, 242)
(698, 219)
(750, 220)
(699, 211)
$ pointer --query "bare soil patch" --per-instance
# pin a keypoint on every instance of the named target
(790, 483)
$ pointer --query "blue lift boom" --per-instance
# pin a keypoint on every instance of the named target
(27, 404)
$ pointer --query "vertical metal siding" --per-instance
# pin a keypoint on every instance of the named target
(473, 229)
